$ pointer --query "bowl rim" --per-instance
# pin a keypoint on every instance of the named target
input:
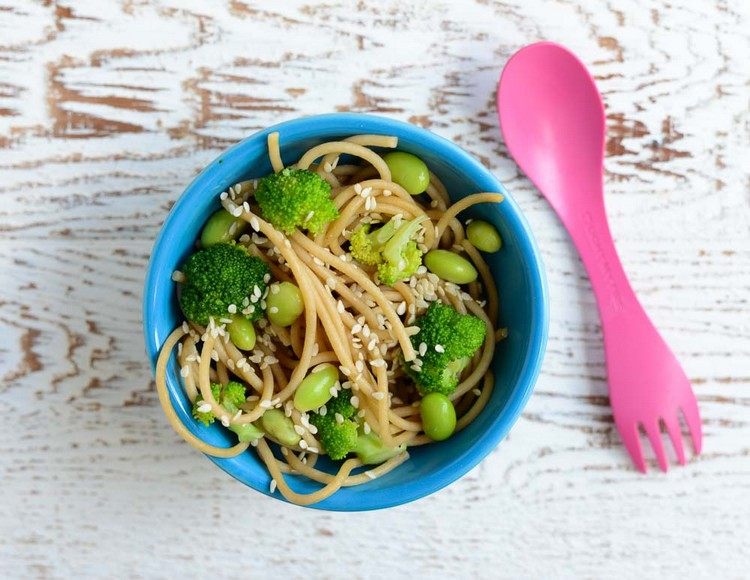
(501, 424)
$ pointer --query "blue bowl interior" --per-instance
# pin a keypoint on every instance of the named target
(516, 268)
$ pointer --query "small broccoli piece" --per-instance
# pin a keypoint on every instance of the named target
(208, 417)
(456, 336)
(229, 396)
(370, 449)
(390, 248)
(339, 437)
(296, 198)
(365, 245)
(220, 275)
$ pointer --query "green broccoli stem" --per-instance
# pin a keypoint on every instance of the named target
(394, 247)
(371, 450)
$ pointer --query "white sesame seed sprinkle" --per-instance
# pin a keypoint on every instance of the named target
(439, 348)
(204, 408)
(272, 487)
(303, 444)
(178, 277)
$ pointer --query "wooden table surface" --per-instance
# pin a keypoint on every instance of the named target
(109, 108)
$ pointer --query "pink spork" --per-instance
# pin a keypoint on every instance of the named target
(552, 118)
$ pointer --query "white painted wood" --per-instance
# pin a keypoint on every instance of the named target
(108, 108)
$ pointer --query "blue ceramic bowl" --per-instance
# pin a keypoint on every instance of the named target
(517, 269)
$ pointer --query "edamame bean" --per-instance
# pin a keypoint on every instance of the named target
(284, 304)
(221, 227)
(408, 170)
(438, 416)
(315, 389)
(484, 236)
(450, 266)
(242, 333)
(280, 427)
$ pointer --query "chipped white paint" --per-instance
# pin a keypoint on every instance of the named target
(108, 108)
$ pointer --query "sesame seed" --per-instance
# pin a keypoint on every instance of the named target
(272, 487)
(378, 396)
(309, 216)
(225, 421)
(354, 401)
(366, 428)
(401, 309)
(339, 418)
(345, 371)
(340, 307)
(204, 408)
(323, 411)
(232, 309)
(331, 283)
(214, 355)
(370, 474)
(477, 392)
(223, 195)
(359, 365)
(378, 362)
(303, 444)
(334, 391)
(299, 429)
(178, 277)
(357, 188)
(422, 348)
(387, 192)
(273, 310)
(356, 328)
(265, 404)
(439, 348)
(313, 450)
(237, 211)
(185, 371)
(255, 224)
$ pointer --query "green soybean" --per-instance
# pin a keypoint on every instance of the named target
(450, 266)
(315, 389)
(483, 236)
(221, 227)
(438, 416)
(242, 333)
(408, 170)
(284, 304)
(280, 427)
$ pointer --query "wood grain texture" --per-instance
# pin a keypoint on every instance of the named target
(107, 110)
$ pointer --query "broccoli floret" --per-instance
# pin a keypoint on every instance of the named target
(390, 248)
(365, 245)
(296, 198)
(218, 276)
(229, 396)
(456, 336)
(338, 438)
